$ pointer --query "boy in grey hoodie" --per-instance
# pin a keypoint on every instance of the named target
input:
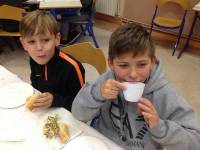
(161, 119)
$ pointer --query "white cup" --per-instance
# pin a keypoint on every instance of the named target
(133, 91)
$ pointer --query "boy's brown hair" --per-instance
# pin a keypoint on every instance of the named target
(38, 22)
(130, 38)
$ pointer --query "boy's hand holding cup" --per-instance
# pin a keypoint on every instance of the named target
(133, 91)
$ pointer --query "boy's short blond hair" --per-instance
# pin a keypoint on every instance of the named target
(38, 22)
(130, 38)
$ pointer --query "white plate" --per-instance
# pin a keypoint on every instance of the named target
(15, 94)
(33, 127)
(85, 143)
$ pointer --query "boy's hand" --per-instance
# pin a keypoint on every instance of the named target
(111, 88)
(44, 100)
(149, 112)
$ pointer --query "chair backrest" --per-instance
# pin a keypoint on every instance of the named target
(10, 13)
(86, 53)
(183, 3)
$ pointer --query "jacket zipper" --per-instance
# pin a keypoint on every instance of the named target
(45, 73)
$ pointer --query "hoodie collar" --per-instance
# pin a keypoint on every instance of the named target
(156, 79)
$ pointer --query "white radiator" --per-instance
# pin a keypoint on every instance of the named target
(108, 7)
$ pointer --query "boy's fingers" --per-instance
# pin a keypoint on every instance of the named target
(41, 100)
(146, 115)
(147, 118)
(144, 108)
(118, 85)
(43, 95)
(41, 103)
(114, 88)
(146, 102)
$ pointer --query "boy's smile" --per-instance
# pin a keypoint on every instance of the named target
(132, 69)
(41, 47)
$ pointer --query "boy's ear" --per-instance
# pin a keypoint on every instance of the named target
(23, 43)
(153, 61)
(110, 63)
(58, 39)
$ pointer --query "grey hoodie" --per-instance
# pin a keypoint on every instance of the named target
(178, 128)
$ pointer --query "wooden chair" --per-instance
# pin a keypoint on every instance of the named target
(10, 13)
(170, 23)
(86, 53)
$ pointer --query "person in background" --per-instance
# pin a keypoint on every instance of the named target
(56, 75)
(161, 119)
(68, 32)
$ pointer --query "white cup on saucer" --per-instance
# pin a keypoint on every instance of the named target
(133, 91)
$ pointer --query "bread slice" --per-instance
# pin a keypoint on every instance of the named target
(30, 100)
(63, 132)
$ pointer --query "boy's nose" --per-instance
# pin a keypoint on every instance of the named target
(133, 74)
(39, 46)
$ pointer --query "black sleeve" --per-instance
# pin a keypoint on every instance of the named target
(86, 5)
(32, 76)
(72, 87)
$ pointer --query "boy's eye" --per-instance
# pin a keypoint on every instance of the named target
(123, 65)
(141, 65)
(46, 40)
(31, 42)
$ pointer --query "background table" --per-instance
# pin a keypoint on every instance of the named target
(60, 4)
(56, 3)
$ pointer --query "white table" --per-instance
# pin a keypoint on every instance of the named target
(47, 4)
(32, 1)
(60, 4)
(30, 123)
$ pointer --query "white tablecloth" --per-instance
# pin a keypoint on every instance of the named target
(21, 129)
(47, 4)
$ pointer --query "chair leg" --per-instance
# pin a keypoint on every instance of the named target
(151, 28)
(152, 20)
(89, 29)
(190, 34)
(82, 30)
(76, 38)
(178, 39)
(91, 33)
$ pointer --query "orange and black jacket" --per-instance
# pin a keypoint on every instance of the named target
(62, 76)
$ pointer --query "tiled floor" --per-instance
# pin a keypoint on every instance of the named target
(183, 73)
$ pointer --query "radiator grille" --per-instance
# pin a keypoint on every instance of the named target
(108, 7)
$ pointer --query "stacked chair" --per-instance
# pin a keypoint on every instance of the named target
(169, 23)
(10, 13)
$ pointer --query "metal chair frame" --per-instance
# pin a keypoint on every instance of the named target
(180, 26)
(86, 26)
